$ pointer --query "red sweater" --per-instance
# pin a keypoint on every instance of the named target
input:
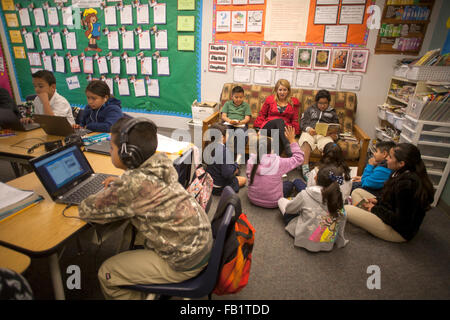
(269, 111)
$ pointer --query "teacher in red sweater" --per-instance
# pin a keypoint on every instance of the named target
(278, 111)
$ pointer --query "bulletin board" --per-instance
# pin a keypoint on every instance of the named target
(177, 90)
(357, 33)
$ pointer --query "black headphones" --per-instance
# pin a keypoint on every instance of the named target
(131, 155)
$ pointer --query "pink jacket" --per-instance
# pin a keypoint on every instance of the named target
(267, 186)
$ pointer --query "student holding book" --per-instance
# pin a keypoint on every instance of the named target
(320, 112)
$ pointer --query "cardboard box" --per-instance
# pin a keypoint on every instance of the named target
(202, 110)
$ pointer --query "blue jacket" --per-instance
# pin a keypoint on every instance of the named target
(223, 173)
(101, 120)
(374, 177)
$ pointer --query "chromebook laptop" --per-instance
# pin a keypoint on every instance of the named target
(9, 120)
(67, 175)
(57, 125)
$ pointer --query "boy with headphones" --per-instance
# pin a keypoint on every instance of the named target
(176, 229)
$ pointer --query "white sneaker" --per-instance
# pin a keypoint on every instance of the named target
(284, 175)
(151, 296)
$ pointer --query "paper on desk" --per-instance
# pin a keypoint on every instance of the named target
(10, 195)
(169, 145)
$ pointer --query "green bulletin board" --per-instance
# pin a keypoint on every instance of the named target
(177, 91)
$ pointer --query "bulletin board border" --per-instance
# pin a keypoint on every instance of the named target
(288, 43)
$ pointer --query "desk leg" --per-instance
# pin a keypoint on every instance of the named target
(55, 272)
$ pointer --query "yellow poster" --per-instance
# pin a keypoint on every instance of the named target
(19, 53)
(186, 23)
(8, 5)
(11, 20)
(186, 43)
(15, 36)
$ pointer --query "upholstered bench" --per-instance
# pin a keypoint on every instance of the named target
(345, 103)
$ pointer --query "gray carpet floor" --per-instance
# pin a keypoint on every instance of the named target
(414, 270)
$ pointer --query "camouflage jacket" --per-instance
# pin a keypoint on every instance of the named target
(174, 225)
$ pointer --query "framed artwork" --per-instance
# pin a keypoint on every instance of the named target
(238, 55)
(270, 56)
(287, 57)
(358, 60)
(322, 59)
(254, 55)
(304, 58)
(340, 59)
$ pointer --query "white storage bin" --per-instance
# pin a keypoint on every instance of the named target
(411, 122)
(386, 137)
(435, 151)
(434, 165)
(381, 113)
(398, 122)
(390, 117)
(379, 133)
(408, 133)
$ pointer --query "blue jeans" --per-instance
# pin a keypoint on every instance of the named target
(298, 184)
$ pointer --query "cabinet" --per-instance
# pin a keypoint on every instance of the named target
(391, 114)
(403, 26)
(433, 140)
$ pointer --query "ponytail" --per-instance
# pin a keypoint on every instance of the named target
(331, 191)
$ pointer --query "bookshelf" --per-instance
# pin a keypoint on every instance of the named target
(403, 26)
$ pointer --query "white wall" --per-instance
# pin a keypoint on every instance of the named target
(374, 85)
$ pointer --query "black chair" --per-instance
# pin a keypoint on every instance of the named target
(203, 284)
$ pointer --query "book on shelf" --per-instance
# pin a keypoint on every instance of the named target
(325, 129)
(427, 57)
(14, 201)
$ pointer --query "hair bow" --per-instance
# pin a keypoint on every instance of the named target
(338, 179)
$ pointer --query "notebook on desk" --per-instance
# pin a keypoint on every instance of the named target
(57, 125)
(9, 120)
(67, 175)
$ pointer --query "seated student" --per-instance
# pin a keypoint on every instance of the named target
(6, 102)
(397, 214)
(48, 101)
(316, 216)
(332, 155)
(321, 111)
(220, 162)
(376, 172)
(102, 110)
(265, 170)
(177, 231)
(237, 113)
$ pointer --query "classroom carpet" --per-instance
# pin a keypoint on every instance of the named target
(414, 270)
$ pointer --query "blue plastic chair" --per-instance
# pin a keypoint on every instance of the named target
(204, 283)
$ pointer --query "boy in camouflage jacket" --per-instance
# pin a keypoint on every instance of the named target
(177, 231)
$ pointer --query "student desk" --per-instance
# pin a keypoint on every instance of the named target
(13, 260)
(14, 148)
(41, 230)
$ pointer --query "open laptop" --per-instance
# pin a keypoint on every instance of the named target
(9, 120)
(57, 125)
(67, 175)
(102, 147)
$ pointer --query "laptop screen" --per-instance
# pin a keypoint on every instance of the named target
(60, 170)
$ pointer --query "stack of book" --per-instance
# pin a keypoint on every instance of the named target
(14, 201)
(436, 108)
(433, 58)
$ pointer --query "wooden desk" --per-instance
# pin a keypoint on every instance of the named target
(13, 260)
(42, 230)
(15, 148)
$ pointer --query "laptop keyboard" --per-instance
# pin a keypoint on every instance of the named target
(92, 187)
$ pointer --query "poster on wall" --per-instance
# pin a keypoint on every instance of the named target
(270, 56)
(287, 55)
(304, 58)
(237, 55)
(254, 55)
(335, 34)
(358, 60)
(223, 21)
(322, 59)
(340, 59)
(328, 80)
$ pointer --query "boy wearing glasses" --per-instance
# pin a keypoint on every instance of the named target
(321, 111)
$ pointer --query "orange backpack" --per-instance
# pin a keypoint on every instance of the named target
(237, 253)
